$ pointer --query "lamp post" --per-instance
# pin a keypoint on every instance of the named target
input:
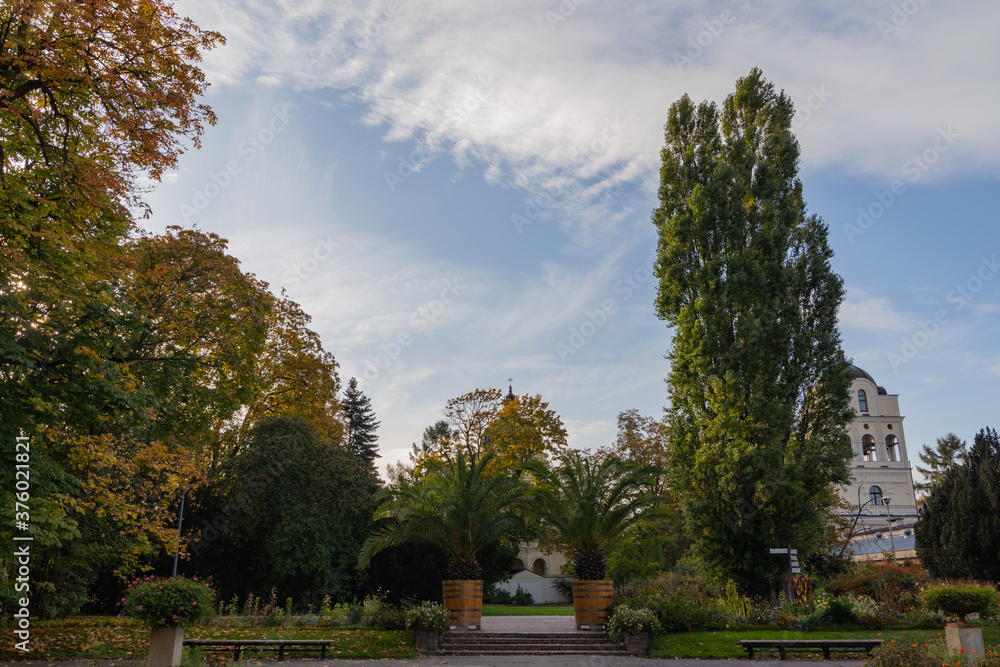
(180, 524)
(886, 500)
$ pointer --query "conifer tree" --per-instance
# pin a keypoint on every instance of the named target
(360, 426)
(759, 394)
(958, 532)
(950, 451)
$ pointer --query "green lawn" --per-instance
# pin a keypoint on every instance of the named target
(528, 610)
(722, 643)
(99, 639)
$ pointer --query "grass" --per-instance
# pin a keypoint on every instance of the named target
(97, 639)
(528, 610)
(722, 643)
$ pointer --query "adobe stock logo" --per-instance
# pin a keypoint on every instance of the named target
(254, 145)
(420, 320)
(915, 167)
(960, 296)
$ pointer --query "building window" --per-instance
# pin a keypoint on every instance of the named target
(862, 400)
(875, 495)
(868, 449)
(891, 449)
(539, 567)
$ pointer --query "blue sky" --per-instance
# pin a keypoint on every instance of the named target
(460, 192)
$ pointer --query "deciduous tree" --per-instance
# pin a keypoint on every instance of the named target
(94, 97)
(294, 376)
(300, 508)
(758, 392)
(483, 422)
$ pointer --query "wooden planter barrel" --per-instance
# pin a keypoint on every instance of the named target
(463, 598)
(591, 600)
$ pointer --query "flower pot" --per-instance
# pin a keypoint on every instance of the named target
(591, 600)
(427, 641)
(637, 643)
(165, 645)
(463, 598)
(965, 637)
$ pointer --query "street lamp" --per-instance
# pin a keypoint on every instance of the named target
(886, 500)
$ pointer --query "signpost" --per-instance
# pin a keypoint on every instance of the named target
(793, 567)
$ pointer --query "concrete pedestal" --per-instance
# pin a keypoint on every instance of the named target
(427, 641)
(165, 646)
(965, 637)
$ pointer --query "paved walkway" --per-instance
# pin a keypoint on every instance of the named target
(506, 661)
(508, 624)
(529, 624)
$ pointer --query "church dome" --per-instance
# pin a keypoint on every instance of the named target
(858, 373)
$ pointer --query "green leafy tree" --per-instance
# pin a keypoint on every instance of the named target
(658, 540)
(958, 531)
(458, 505)
(758, 392)
(298, 509)
(587, 504)
(482, 422)
(293, 377)
(359, 422)
(94, 98)
(950, 451)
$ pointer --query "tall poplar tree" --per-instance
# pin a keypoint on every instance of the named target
(758, 390)
(360, 424)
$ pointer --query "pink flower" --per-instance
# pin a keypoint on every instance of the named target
(138, 608)
(195, 603)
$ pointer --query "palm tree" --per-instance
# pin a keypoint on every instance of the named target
(586, 504)
(458, 505)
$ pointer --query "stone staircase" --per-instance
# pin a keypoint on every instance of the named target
(525, 643)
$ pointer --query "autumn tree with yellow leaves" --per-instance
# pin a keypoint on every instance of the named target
(514, 430)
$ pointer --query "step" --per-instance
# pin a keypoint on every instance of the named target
(520, 642)
(448, 652)
(517, 636)
(526, 643)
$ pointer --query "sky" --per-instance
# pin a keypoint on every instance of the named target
(460, 192)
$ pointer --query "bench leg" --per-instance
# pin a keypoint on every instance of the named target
(781, 650)
(826, 652)
(236, 654)
(322, 652)
(281, 651)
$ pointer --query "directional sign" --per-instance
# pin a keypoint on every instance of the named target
(779, 551)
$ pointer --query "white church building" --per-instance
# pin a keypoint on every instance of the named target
(882, 485)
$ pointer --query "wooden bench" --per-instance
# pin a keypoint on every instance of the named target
(240, 645)
(826, 645)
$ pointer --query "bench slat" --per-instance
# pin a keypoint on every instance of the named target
(826, 645)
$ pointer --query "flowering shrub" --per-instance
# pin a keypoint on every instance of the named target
(682, 600)
(901, 655)
(962, 599)
(831, 613)
(895, 587)
(628, 620)
(164, 602)
(428, 616)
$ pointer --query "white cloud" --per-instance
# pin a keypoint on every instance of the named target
(499, 84)
(872, 313)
